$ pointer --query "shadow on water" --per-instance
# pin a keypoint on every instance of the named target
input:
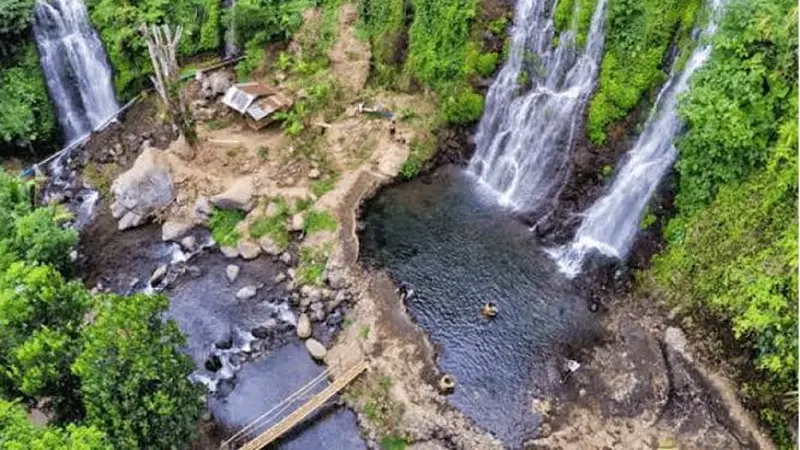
(458, 251)
(263, 361)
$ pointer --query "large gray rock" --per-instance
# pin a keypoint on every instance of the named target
(142, 190)
(303, 326)
(317, 350)
(246, 292)
(238, 196)
(173, 230)
(269, 246)
(249, 250)
(216, 83)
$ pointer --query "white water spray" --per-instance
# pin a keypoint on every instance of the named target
(524, 141)
(611, 223)
(75, 66)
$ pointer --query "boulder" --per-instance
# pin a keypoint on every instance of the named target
(142, 190)
(172, 230)
(216, 84)
(303, 326)
(280, 277)
(231, 272)
(296, 223)
(272, 210)
(238, 196)
(249, 250)
(314, 174)
(202, 210)
(189, 243)
(269, 246)
(229, 252)
(158, 274)
(246, 292)
(315, 349)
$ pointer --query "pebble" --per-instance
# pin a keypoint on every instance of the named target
(231, 272)
(280, 277)
(314, 174)
(315, 349)
(296, 223)
(286, 257)
(303, 326)
(246, 292)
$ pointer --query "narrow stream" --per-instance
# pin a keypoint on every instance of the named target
(246, 352)
(458, 250)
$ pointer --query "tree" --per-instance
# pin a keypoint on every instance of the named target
(134, 377)
(18, 433)
(15, 18)
(41, 315)
(162, 43)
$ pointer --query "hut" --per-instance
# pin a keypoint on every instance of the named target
(257, 102)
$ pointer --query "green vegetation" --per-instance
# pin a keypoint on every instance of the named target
(133, 375)
(118, 24)
(371, 393)
(316, 221)
(311, 265)
(638, 35)
(222, 224)
(110, 368)
(421, 151)
(26, 114)
(273, 226)
(363, 332)
(732, 248)
(577, 15)
(323, 186)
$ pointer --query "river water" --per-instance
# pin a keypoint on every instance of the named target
(260, 359)
(441, 236)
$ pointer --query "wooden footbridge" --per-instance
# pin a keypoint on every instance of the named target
(313, 403)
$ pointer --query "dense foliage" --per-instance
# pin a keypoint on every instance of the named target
(118, 24)
(114, 358)
(732, 248)
(26, 115)
(18, 433)
(638, 35)
(134, 379)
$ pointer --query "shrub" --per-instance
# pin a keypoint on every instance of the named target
(222, 224)
(461, 107)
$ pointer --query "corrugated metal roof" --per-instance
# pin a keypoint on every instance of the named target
(256, 89)
(237, 99)
(265, 106)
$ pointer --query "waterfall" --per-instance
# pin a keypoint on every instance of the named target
(230, 49)
(524, 141)
(75, 66)
(610, 224)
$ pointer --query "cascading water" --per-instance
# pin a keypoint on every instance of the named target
(610, 224)
(75, 66)
(524, 141)
(230, 49)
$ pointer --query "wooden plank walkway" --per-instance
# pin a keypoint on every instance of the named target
(288, 422)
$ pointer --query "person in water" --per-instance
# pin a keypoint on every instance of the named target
(489, 310)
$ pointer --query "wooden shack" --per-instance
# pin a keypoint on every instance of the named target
(257, 102)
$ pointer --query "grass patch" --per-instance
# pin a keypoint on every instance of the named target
(222, 224)
(372, 394)
(322, 187)
(312, 264)
(421, 151)
(275, 226)
(316, 221)
(100, 176)
(218, 124)
(363, 332)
